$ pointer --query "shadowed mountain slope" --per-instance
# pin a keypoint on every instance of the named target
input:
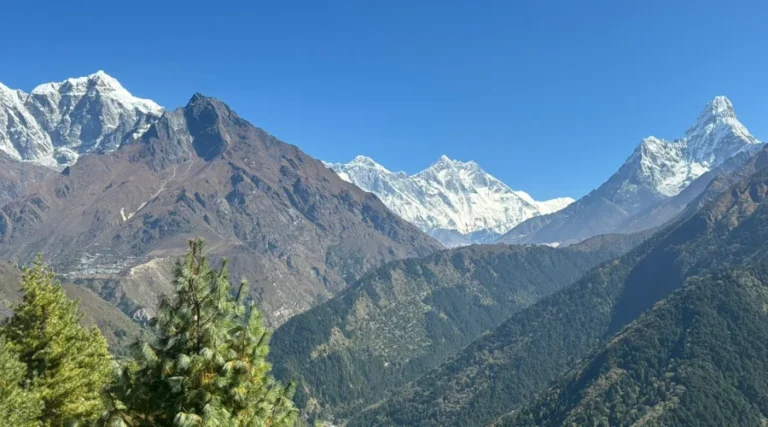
(698, 357)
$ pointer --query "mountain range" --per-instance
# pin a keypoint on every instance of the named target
(640, 304)
(458, 203)
(115, 220)
(581, 326)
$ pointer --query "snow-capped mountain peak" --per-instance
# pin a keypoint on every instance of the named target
(450, 196)
(670, 166)
(446, 162)
(719, 111)
(367, 161)
(647, 190)
(98, 83)
(56, 122)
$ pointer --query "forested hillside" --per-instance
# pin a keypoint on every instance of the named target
(406, 317)
(699, 357)
(498, 372)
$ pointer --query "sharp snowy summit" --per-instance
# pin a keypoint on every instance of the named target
(657, 171)
(57, 122)
(456, 202)
(670, 166)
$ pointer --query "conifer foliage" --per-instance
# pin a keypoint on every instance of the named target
(18, 405)
(67, 366)
(208, 365)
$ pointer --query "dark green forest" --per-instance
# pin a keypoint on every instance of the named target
(500, 371)
(699, 357)
(405, 318)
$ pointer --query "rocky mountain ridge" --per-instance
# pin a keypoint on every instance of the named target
(115, 222)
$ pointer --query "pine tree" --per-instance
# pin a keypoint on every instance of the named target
(208, 366)
(19, 407)
(68, 366)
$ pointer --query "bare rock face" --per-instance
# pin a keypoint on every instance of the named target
(16, 177)
(288, 224)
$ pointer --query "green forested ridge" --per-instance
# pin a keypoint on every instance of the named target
(497, 373)
(406, 317)
(672, 333)
(699, 358)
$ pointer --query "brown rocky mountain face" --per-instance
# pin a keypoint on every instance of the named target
(115, 222)
(16, 177)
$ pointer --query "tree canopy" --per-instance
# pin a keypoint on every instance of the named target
(208, 363)
(67, 366)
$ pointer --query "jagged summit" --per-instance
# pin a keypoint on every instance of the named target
(99, 78)
(364, 160)
(446, 162)
(57, 122)
(368, 162)
(457, 202)
(718, 118)
(656, 171)
(670, 166)
(206, 111)
(716, 110)
(98, 82)
(198, 97)
(204, 128)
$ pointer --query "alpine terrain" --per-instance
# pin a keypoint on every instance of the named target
(168, 259)
(57, 122)
(657, 171)
(456, 202)
(115, 221)
(692, 348)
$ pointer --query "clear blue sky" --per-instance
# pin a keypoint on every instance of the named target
(549, 96)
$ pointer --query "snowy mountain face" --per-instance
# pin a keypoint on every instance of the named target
(57, 122)
(655, 172)
(456, 202)
(669, 167)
